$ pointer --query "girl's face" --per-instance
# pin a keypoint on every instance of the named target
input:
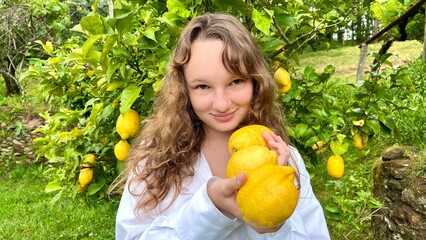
(220, 99)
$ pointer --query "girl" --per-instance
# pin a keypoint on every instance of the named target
(176, 187)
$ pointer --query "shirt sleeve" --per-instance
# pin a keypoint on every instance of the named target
(307, 220)
(198, 218)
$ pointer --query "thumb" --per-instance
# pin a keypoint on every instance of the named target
(234, 183)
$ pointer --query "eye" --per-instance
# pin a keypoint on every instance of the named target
(237, 81)
(202, 87)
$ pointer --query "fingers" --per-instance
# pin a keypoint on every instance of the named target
(233, 184)
(277, 144)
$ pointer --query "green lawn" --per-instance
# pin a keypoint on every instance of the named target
(346, 59)
(28, 214)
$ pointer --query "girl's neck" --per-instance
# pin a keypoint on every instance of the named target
(215, 150)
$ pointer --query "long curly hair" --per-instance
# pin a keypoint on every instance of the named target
(165, 152)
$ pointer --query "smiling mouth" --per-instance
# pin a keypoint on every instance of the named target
(224, 117)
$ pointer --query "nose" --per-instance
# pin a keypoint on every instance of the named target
(222, 101)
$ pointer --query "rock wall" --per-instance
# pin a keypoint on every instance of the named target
(400, 183)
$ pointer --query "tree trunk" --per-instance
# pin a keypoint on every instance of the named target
(11, 85)
(424, 39)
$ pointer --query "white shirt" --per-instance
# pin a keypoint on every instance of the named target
(193, 216)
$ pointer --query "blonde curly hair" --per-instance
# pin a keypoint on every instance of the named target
(165, 152)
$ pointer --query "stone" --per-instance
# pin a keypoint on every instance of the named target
(400, 183)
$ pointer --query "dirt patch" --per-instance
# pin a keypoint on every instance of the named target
(17, 136)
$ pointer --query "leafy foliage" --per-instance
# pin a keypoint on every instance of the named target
(112, 64)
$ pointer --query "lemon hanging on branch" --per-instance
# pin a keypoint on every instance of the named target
(121, 150)
(282, 77)
(85, 176)
(128, 125)
(360, 141)
(335, 166)
(90, 158)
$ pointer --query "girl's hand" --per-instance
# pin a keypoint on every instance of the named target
(277, 144)
(265, 230)
(223, 194)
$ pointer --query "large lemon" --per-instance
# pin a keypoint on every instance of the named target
(335, 166)
(247, 136)
(269, 196)
(128, 125)
(121, 150)
(282, 77)
(249, 158)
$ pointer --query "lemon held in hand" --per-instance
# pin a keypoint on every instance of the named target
(247, 136)
(249, 158)
(269, 196)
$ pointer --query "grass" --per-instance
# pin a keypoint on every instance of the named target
(28, 214)
(346, 59)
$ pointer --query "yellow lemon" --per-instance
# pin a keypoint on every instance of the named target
(90, 158)
(335, 166)
(249, 158)
(247, 136)
(121, 150)
(128, 125)
(319, 147)
(282, 77)
(85, 176)
(269, 196)
(82, 188)
(357, 141)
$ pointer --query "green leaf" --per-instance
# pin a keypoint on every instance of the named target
(93, 24)
(88, 44)
(109, 43)
(300, 130)
(128, 97)
(339, 148)
(176, 6)
(150, 33)
(263, 20)
(96, 186)
(284, 19)
(53, 186)
(374, 125)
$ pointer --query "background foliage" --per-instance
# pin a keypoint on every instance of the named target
(95, 66)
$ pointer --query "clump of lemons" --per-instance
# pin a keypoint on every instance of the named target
(85, 176)
(269, 196)
(127, 126)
